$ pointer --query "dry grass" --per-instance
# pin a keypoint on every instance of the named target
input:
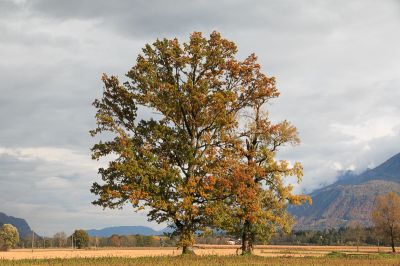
(208, 260)
(277, 255)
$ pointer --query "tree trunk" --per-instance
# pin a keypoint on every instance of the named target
(187, 250)
(186, 240)
(392, 243)
(246, 240)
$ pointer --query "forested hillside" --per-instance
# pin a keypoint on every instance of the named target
(350, 199)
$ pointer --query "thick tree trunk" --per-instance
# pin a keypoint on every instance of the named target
(246, 250)
(186, 240)
(187, 250)
(247, 246)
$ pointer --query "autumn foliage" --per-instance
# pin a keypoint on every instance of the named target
(209, 148)
(386, 217)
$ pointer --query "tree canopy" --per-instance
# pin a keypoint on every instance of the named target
(187, 161)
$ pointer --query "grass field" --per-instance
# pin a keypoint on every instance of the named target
(210, 255)
(213, 260)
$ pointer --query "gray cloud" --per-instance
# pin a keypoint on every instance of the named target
(8, 8)
(336, 62)
(157, 18)
(154, 18)
(33, 188)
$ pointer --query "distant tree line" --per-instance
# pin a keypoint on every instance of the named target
(353, 236)
(61, 240)
(341, 236)
(80, 240)
(131, 241)
(331, 237)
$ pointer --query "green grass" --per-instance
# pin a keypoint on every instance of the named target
(331, 259)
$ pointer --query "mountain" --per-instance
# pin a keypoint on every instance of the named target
(23, 228)
(126, 230)
(387, 171)
(349, 199)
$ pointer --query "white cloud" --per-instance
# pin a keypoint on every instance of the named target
(370, 129)
(66, 157)
(54, 182)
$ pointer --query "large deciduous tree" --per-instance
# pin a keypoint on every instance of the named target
(386, 217)
(179, 164)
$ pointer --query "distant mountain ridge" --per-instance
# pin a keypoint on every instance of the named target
(23, 228)
(388, 171)
(349, 199)
(126, 230)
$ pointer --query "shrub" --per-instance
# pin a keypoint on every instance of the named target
(9, 237)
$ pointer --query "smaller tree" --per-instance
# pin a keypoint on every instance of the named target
(80, 238)
(60, 239)
(357, 232)
(386, 217)
(9, 236)
(115, 241)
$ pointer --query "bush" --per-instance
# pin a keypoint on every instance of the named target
(9, 237)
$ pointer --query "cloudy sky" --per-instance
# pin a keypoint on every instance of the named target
(337, 65)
